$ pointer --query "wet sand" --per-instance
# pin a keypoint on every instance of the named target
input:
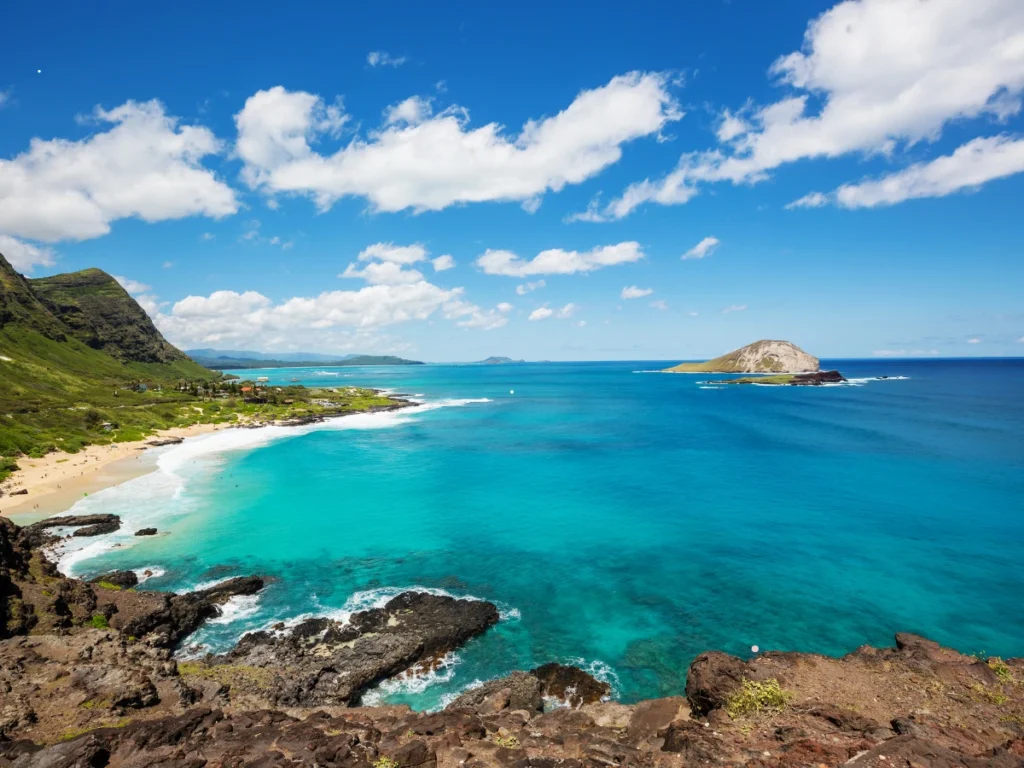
(56, 481)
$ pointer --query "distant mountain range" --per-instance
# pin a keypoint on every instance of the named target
(498, 361)
(245, 354)
(223, 360)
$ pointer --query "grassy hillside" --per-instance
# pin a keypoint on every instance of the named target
(72, 349)
(81, 363)
(97, 311)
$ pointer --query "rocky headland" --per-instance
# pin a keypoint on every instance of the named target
(88, 677)
(765, 356)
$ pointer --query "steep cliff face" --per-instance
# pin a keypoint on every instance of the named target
(765, 356)
(70, 340)
(20, 305)
(100, 313)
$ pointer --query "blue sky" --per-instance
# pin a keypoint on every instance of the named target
(853, 170)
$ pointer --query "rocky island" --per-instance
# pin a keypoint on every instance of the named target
(780, 362)
(89, 677)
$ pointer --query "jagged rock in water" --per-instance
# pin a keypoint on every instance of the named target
(323, 662)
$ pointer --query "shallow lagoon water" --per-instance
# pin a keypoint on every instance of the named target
(622, 521)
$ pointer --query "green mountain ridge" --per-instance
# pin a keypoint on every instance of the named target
(71, 344)
(97, 311)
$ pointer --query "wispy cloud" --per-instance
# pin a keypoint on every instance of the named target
(556, 261)
(734, 308)
(543, 313)
(632, 292)
(525, 288)
(384, 59)
(704, 248)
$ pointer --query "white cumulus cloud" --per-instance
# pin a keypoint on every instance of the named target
(23, 256)
(633, 292)
(429, 161)
(872, 77)
(556, 261)
(143, 165)
(442, 263)
(133, 287)
(971, 165)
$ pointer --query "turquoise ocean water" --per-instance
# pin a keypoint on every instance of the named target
(622, 521)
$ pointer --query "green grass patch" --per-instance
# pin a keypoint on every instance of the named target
(991, 695)
(1002, 669)
(754, 697)
(99, 621)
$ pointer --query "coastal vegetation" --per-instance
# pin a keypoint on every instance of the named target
(82, 364)
(754, 697)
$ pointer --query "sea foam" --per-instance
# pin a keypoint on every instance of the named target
(142, 501)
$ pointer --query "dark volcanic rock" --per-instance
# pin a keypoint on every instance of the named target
(165, 441)
(571, 685)
(75, 521)
(87, 525)
(146, 532)
(817, 378)
(323, 662)
(119, 579)
(520, 690)
(100, 529)
(712, 679)
(526, 690)
(175, 617)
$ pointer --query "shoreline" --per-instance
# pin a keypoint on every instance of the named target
(53, 487)
(58, 480)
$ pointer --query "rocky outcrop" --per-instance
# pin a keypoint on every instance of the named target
(568, 686)
(41, 534)
(76, 693)
(116, 580)
(146, 532)
(170, 618)
(763, 356)
(324, 662)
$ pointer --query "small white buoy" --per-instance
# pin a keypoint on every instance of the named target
(39, 71)
(511, 391)
(754, 648)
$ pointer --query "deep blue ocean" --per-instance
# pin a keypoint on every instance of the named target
(622, 521)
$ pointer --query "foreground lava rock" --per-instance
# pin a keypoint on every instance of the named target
(324, 662)
(76, 693)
